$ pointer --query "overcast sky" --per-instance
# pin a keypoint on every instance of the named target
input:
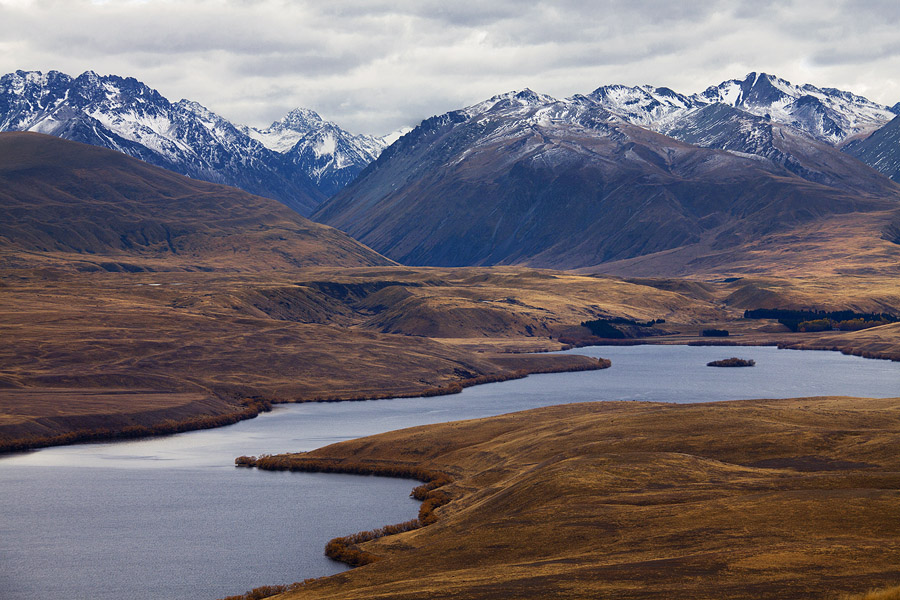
(374, 66)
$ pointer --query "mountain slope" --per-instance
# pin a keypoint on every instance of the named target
(96, 207)
(299, 160)
(880, 150)
(523, 178)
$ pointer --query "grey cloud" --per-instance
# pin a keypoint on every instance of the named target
(376, 65)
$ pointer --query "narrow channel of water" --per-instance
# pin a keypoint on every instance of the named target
(171, 517)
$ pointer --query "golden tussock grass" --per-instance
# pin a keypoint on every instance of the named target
(757, 499)
(891, 593)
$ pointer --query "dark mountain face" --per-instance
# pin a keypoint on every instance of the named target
(880, 150)
(100, 207)
(727, 128)
(520, 179)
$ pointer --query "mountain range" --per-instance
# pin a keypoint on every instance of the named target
(620, 174)
(299, 160)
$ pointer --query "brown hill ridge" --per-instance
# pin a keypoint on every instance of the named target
(103, 210)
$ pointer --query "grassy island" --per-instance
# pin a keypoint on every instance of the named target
(732, 362)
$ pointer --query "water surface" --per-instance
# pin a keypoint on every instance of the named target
(171, 517)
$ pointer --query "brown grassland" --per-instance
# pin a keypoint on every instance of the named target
(137, 302)
(751, 499)
(88, 355)
(92, 355)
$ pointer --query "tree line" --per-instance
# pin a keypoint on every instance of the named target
(820, 320)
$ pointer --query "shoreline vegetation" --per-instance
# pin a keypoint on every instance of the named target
(249, 408)
(890, 355)
(346, 549)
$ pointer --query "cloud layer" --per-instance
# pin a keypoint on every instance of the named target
(374, 66)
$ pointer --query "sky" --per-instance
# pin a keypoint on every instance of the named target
(373, 66)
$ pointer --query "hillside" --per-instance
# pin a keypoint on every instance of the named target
(880, 149)
(101, 210)
(758, 499)
(525, 179)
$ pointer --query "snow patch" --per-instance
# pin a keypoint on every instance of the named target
(326, 146)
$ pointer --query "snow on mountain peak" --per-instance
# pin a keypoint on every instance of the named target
(284, 134)
(827, 114)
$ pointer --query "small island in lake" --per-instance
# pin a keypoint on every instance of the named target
(732, 362)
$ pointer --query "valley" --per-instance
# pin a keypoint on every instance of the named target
(135, 302)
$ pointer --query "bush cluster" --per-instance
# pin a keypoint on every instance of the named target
(732, 362)
(714, 333)
(606, 328)
(346, 549)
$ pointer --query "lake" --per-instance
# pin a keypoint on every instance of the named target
(172, 517)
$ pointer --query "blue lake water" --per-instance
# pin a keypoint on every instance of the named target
(171, 517)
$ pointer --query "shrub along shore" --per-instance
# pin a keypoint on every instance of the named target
(513, 367)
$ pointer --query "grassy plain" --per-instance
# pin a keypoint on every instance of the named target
(154, 352)
(752, 499)
(94, 353)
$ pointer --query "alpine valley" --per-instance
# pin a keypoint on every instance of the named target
(163, 269)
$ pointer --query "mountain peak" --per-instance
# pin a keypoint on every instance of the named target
(300, 119)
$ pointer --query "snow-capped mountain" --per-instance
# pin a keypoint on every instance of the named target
(644, 105)
(525, 178)
(299, 161)
(728, 128)
(827, 114)
(330, 155)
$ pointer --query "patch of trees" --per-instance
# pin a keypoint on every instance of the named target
(607, 328)
(820, 320)
(714, 333)
(732, 362)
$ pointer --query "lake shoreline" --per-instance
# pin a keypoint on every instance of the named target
(512, 367)
(812, 476)
(658, 379)
(515, 365)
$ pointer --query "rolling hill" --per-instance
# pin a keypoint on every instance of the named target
(103, 210)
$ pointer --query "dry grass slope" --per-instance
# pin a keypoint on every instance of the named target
(753, 499)
(891, 593)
